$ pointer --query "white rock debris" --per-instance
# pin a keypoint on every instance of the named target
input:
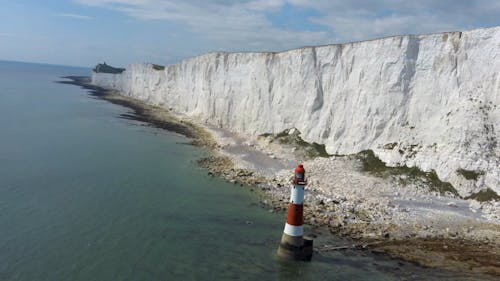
(340, 195)
(431, 101)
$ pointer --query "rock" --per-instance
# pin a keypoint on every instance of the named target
(475, 205)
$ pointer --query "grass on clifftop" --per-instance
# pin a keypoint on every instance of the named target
(292, 137)
(158, 67)
(375, 166)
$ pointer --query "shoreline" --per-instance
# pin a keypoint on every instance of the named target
(370, 224)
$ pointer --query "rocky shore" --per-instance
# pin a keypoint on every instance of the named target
(407, 220)
(403, 218)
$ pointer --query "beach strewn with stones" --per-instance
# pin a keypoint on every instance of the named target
(383, 214)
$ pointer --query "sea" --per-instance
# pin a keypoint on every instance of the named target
(88, 195)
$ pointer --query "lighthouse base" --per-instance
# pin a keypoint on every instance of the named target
(295, 248)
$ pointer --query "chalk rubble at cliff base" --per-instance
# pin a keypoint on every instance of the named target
(350, 201)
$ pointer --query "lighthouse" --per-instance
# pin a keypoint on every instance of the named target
(293, 246)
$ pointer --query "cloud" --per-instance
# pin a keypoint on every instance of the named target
(74, 16)
(241, 25)
(350, 20)
(5, 34)
(242, 22)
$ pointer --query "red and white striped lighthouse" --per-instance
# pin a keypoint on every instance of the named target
(293, 246)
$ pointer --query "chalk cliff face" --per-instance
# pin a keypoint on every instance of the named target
(431, 101)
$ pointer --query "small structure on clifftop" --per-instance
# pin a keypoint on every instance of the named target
(104, 68)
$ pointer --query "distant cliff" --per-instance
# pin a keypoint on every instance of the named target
(430, 101)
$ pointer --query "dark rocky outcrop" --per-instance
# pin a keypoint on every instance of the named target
(104, 68)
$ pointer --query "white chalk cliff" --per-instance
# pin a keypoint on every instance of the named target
(431, 101)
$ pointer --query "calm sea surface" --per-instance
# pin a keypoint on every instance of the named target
(85, 195)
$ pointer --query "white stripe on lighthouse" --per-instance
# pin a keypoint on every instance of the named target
(293, 230)
(297, 195)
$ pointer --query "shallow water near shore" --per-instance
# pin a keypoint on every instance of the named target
(86, 195)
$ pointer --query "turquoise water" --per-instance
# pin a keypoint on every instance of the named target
(85, 195)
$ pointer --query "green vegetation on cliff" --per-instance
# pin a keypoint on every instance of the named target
(372, 164)
(292, 137)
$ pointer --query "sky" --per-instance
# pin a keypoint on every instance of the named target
(119, 32)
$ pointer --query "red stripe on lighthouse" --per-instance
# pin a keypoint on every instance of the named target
(295, 215)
